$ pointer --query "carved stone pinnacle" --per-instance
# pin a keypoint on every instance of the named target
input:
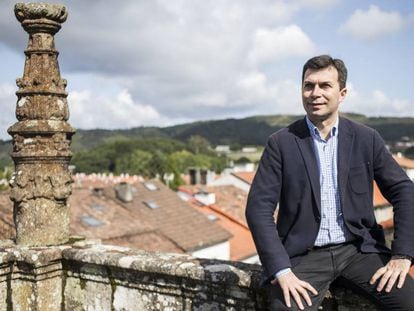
(40, 17)
(41, 184)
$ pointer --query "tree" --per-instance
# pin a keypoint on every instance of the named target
(158, 166)
(198, 144)
(243, 160)
(136, 163)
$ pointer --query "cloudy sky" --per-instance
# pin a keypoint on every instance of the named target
(131, 63)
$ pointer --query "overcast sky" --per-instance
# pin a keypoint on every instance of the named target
(131, 63)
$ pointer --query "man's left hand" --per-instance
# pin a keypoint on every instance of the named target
(396, 268)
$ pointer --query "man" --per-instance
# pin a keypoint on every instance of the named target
(320, 170)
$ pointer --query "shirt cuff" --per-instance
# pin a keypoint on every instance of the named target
(398, 256)
(282, 272)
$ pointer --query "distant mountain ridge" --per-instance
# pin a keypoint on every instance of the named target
(247, 131)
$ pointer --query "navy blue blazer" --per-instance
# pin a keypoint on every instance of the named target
(288, 175)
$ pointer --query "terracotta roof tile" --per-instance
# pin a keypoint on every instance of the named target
(153, 241)
(174, 218)
(229, 199)
(174, 226)
(95, 216)
(7, 230)
(379, 199)
(247, 177)
(229, 210)
(241, 244)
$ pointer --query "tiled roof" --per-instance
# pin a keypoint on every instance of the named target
(379, 199)
(247, 177)
(82, 180)
(7, 230)
(229, 210)
(173, 218)
(153, 241)
(229, 199)
(95, 216)
(174, 226)
(241, 244)
(404, 162)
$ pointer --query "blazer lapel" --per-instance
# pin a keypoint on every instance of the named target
(345, 142)
(305, 143)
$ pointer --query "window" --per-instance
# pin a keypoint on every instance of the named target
(151, 204)
(212, 217)
(91, 221)
(98, 207)
(150, 186)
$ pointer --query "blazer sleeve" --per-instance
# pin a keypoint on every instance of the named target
(398, 189)
(261, 204)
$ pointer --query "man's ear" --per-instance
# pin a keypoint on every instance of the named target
(342, 94)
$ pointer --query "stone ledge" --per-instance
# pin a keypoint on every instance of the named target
(178, 265)
(126, 279)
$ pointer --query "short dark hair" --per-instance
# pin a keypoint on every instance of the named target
(325, 61)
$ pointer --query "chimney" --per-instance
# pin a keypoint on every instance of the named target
(124, 192)
(205, 197)
(193, 172)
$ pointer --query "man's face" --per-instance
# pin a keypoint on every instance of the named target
(321, 94)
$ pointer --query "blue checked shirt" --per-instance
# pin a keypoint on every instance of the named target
(332, 229)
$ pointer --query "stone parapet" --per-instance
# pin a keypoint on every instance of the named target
(90, 276)
(30, 278)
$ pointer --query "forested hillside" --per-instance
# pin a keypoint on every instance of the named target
(110, 145)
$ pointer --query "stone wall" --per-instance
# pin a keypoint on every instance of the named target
(88, 276)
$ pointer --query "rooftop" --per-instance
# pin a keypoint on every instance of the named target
(97, 212)
(228, 212)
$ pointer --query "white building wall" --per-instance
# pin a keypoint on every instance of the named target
(230, 180)
(246, 167)
(383, 213)
(410, 173)
(252, 260)
(218, 251)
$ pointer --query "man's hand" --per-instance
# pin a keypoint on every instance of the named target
(292, 286)
(395, 269)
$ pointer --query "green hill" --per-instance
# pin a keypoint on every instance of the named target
(248, 131)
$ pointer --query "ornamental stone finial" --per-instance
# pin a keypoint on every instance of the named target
(36, 17)
(41, 184)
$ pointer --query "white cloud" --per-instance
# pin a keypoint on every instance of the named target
(88, 111)
(319, 4)
(372, 24)
(136, 62)
(275, 45)
(7, 108)
(376, 103)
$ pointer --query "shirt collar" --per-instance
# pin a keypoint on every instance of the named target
(315, 132)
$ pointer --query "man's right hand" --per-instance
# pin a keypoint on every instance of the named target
(292, 286)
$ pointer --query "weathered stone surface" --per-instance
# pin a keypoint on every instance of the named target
(92, 276)
(87, 275)
(30, 278)
(5, 276)
(41, 184)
